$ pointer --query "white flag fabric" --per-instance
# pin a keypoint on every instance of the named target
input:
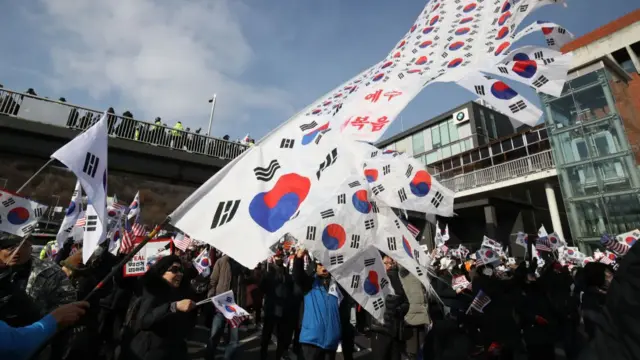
(202, 263)
(629, 238)
(542, 232)
(134, 207)
(19, 216)
(86, 157)
(71, 217)
(226, 305)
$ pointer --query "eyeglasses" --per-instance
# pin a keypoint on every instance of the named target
(175, 270)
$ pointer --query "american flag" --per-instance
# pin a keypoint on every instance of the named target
(479, 302)
(81, 221)
(543, 244)
(129, 236)
(182, 241)
(413, 230)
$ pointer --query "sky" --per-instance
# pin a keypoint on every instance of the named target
(265, 60)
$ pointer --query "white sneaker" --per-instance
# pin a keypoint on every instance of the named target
(339, 349)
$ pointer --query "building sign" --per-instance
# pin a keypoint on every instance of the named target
(461, 116)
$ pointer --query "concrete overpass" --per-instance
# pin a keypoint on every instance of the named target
(33, 127)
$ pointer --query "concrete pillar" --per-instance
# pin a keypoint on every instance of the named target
(553, 209)
(491, 222)
(634, 58)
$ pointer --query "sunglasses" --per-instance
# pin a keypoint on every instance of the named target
(175, 270)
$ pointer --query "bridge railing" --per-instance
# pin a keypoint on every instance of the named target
(58, 113)
(502, 172)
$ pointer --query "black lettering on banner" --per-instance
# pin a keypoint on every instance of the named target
(91, 163)
(267, 173)
(369, 224)
(402, 194)
(369, 262)
(38, 212)
(355, 281)
(391, 243)
(503, 69)
(374, 154)
(409, 171)
(374, 207)
(8, 202)
(342, 199)
(378, 304)
(311, 232)
(437, 199)
(386, 169)
(419, 271)
(329, 160)
(336, 260)
(542, 80)
(27, 229)
(518, 106)
(551, 41)
(355, 241)
(378, 189)
(287, 143)
(538, 55)
(327, 214)
(224, 213)
(91, 224)
(354, 184)
(384, 283)
(309, 126)
(479, 89)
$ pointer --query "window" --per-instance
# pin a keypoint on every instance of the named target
(456, 148)
(562, 111)
(418, 143)
(493, 133)
(624, 59)
(591, 217)
(446, 152)
(518, 142)
(444, 133)
(591, 103)
(435, 136)
(506, 145)
(453, 130)
(403, 145)
(432, 157)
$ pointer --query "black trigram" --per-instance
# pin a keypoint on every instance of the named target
(416, 254)
(369, 262)
(8, 202)
(267, 173)
(329, 160)
(384, 283)
(311, 232)
(496, 10)
(369, 224)
(503, 69)
(419, 271)
(287, 143)
(327, 214)
(468, 55)
(520, 105)
(309, 126)
(38, 212)
(378, 304)
(449, 39)
(444, 54)
(540, 81)
(355, 281)
(91, 224)
(400, 76)
(493, 23)
(551, 41)
(523, 8)
(437, 199)
(538, 55)
(386, 169)
(397, 222)
(355, 241)
(336, 109)
(414, 51)
(409, 171)
(548, 61)
(91, 163)
(561, 30)
(342, 199)
(28, 229)
(374, 154)
(378, 189)
(374, 207)
(319, 137)
(224, 213)
(336, 260)
(354, 184)
(479, 89)
(392, 244)
(402, 194)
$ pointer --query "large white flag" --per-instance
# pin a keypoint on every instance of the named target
(19, 216)
(86, 156)
(71, 217)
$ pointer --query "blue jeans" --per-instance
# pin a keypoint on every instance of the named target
(217, 330)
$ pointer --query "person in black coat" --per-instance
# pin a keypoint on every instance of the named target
(165, 316)
(388, 339)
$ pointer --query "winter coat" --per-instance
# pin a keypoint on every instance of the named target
(161, 330)
(418, 313)
(277, 287)
(396, 308)
(321, 324)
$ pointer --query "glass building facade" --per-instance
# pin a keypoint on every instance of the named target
(596, 166)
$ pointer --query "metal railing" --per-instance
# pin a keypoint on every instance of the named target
(502, 172)
(47, 111)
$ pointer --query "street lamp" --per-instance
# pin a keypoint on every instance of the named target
(212, 101)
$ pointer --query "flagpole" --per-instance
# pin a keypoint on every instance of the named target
(34, 176)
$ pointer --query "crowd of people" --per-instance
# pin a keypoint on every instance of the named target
(501, 311)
